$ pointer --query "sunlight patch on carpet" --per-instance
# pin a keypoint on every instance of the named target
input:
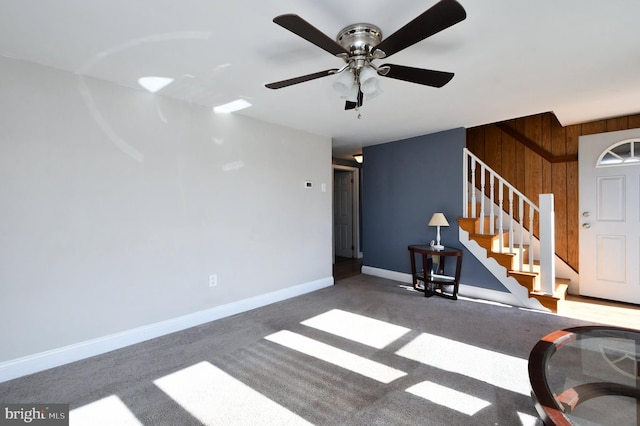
(322, 351)
(528, 420)
(107, 411)
(216, 398)
(447, 397)
(500, 370)
(358, 328)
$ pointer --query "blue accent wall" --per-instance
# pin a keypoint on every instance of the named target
(403, 184)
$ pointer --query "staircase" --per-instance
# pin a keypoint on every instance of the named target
(500, 239)
(510, 261)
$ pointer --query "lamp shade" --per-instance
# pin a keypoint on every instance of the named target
(438, 219)
(345, 83)
(369, 82)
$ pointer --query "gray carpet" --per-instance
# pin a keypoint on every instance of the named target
(228, 372)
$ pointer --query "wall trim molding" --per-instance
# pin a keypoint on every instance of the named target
(464, 290)
(385, 273)
(30, 364)
(533, 145)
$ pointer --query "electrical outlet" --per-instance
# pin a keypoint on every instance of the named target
(213, 280)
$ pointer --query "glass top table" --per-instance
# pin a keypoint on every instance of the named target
(587, 376)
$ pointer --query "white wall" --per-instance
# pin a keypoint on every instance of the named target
(116, 205)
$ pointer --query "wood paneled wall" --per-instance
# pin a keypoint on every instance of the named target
(533, 175)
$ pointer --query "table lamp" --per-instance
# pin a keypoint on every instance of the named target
(438, 220)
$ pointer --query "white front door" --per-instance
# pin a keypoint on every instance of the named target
(343, 213)
(609, 179)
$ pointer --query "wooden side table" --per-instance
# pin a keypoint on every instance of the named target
(437, 280)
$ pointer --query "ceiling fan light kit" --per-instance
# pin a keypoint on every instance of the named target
(369, 84)
(360, 44)
(344, 84)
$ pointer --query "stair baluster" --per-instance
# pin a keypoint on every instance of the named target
(482, 197)
(500, 218)
(542, 284)
(530, 238)
(492, 214)
(521, 236)
(510, 220)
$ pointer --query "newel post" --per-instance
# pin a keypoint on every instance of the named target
(547, 244)
(465, 183)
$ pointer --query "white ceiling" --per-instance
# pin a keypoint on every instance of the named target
(511, 58)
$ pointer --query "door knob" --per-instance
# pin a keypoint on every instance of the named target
(586, 225)
(586, 214)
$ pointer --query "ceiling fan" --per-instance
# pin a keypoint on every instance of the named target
(359, 44)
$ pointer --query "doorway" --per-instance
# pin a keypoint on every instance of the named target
(346, 213)
(609, 196)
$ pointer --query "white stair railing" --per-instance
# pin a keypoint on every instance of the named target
(518, 235)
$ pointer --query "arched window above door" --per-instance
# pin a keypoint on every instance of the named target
(623, 153)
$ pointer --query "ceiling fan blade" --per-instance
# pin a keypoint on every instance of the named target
(418, 75)
(353, 105)
(301, 79)
(440, 16)
(299, 26)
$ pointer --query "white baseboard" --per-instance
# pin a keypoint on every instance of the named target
(474, 292)
(464, 290)
(385, 273)
(41, 361)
